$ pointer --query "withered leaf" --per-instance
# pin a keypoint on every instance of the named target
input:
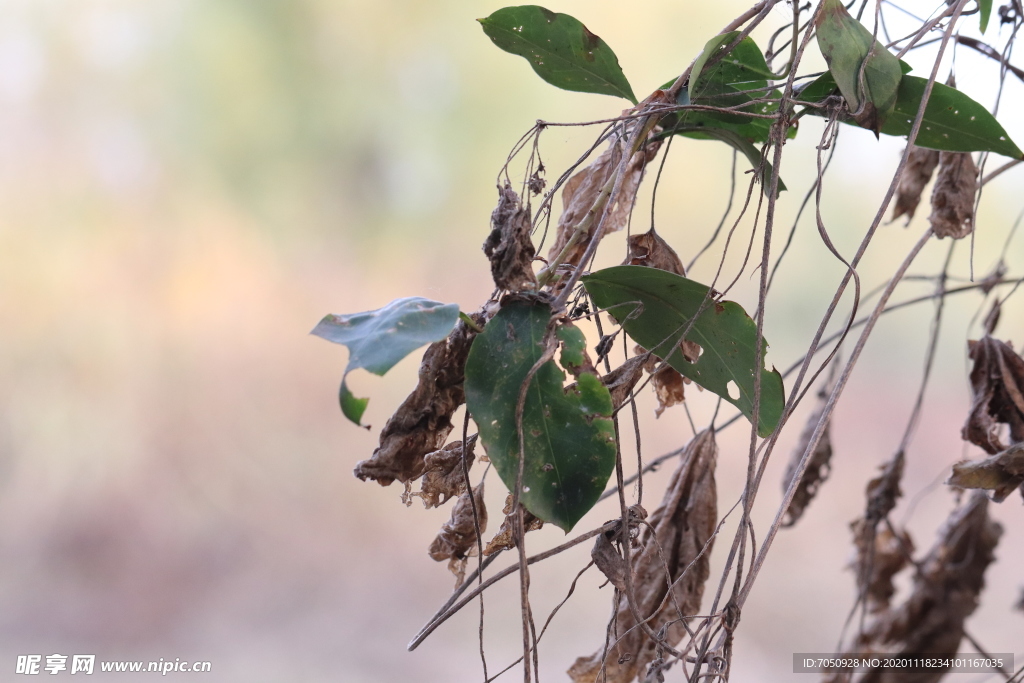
(877, 567)
(508, 247)
(457, 538)
(997, 380)
(953, 195)
(650, 250)
(423, 421)
(621, 380)
(945, 592)
(818, 466)
(1001, 473)
(884, 490)
(608, 559)
(444, 478)
(683, 524)
(919, 169)
(582, 191)
(505, 538)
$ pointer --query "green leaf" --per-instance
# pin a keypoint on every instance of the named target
(953, 122)
(569, 440)
(848, 47)
(986, 11)
(743, 68)
(725, 333)
(560, 49)
(378, 339)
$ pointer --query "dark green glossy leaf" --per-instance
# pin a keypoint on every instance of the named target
(378, 339)
(725, 333)
(850, 49)
(985, 6)
(560, 49)
(569, 440)
(953, 122)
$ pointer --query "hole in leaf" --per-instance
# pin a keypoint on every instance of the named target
(734, 390)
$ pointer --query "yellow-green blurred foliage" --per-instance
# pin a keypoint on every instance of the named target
(187, 186)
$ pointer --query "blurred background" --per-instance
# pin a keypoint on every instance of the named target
(188, 186)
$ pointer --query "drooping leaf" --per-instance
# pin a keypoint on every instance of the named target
(952, 122)
(508, 247)
(655, 307)
(920, 166)
(377, 340)
(560, 49)
(985, 7)
(868, 75)
(669, 570)
(818, 467)
(457, 538)
(424, 420)
(997, 394)
(569, 449)
(953, 196)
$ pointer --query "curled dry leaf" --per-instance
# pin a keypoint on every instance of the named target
(944, 593)
(505, 539)
(884, 490)
(621, 380)
(457, 538)
(953, 195)
(1001, 473)
(919, 169)
(587, 191)
(423, 421)
(670, 568)
(650, 250)
(818, 466)
(444, 478)
(609, 560)
(875, 568)
(997, 382)
(508, 247)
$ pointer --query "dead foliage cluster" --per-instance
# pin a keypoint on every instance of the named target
(669, 569)
(508, 247)
(944, 593)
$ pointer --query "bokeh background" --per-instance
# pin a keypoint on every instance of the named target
(187, 186)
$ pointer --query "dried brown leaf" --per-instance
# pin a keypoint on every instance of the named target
(444, 478)
(944, 593)
(919, 169)
(876, 567)
(423, 421)
(621, 380)
(953, 195)
(583, 190)
(884, 490)
(458, 538)
(649, 249)
(1001, 473)
(505, 539)
(818, 466)
(608, 559)
(997, 382)
(509, 247)
(683, 524)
